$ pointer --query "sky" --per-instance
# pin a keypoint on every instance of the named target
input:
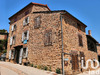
(87, 11)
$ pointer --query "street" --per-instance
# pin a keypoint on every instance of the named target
(7, 68)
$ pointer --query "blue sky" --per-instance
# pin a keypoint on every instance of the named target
(87, 11)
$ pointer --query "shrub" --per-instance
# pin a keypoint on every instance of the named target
(45, 68)
(31, 65)
(35, 66)
(39, 66)
(50, 68)
(58, 71)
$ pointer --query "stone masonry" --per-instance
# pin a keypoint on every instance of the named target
(50, 56)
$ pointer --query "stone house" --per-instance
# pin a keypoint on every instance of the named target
(36, 36)
(3, 34)
(98, 50)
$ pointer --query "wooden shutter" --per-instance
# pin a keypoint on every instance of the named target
(10, 54)
(11, 40)
(27, 35)
(13, 54)
(80, 40)
(37, 22)
(26, 52)
(20, 56)
(12, 29)
(22, 36)
(48, 37)
(23, 22)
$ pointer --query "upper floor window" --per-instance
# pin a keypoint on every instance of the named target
(27, 12)
(26, 21)
(12, 40)
(14, 27)
(25, 37)
(37, 22)
(48, 37)
(80, 40)
(79, 27)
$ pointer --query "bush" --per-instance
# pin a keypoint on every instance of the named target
(31, 65)
(45, 68)
(39, 66)
(35, 66)
(50, 68)
(58, 71)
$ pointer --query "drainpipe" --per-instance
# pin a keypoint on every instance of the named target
(62, 45)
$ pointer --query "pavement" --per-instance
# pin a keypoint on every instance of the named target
(7, 68)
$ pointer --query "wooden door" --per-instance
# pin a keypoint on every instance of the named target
(75, 62)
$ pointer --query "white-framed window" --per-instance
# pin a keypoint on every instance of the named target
(13, 28)
(25, 35)
(26, 21)
(12, 40)
(25, 52)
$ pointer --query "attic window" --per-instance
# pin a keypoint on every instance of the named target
(78, 26)
(27, 12)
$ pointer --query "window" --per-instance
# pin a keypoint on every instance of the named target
(80, 40)
(25, 52)
(14, 27)
(37, 22)
(14, 40)
(25, 37)
(26, 21)
(48, 37)
(27, 12)
(79, 27)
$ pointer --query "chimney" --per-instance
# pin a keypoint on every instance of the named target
(89, 32)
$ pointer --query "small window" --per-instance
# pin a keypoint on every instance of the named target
(14, 40)
(37, 22)
(25, 36)
(48, 38)
(26, 21)
(79, 27)
(15, 27)
(80, 40)
(27, 12)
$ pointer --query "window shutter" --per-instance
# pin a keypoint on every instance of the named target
(27, 35)
(12, 28)
(10, 54)
(20, 56)
(26, 52)
(11, 41)
(28, 19)
(23, 22)
(22, 37)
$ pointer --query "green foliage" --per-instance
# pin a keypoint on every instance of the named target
(58, 71)
(5, 51)
(45, 68)
(35, 66)
(31, 65)
(50, 68)
(3, 31)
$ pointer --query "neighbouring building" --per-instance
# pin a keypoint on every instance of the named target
(35, 37)
(98, 50)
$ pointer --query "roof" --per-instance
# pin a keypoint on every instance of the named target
(44, 5)
(63, 12)
(92, 38)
